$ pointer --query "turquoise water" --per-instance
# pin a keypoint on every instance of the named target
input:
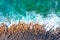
(11, 10)
(37, 11)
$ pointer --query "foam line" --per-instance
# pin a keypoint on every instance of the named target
(49, 21)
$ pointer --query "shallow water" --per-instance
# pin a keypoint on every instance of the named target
(37, 11)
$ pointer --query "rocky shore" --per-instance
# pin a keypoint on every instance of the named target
(23, 31)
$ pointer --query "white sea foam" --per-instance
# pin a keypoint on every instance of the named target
(51, 21)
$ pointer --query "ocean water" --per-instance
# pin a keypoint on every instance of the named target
(37, 11)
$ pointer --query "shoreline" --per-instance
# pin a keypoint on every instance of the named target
(23, 31)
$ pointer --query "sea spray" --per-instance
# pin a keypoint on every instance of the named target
(51, 21)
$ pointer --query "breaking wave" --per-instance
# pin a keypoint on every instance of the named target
(50, 21)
